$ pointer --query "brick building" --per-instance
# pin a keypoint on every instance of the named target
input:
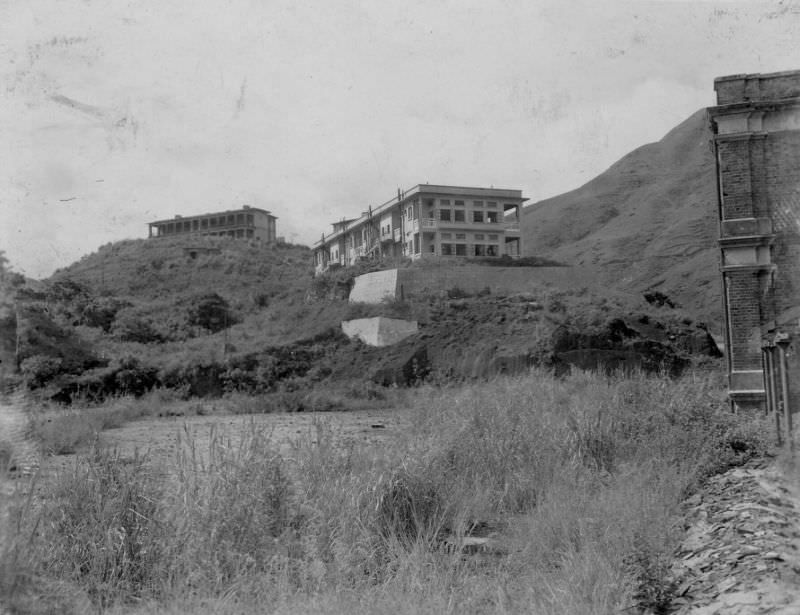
(429, 221)
(756, 126)
(247, 222)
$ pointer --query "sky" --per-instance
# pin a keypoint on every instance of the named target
(114, 113)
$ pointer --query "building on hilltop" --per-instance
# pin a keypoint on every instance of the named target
(245, 223)
(429, 221)
(756, 126)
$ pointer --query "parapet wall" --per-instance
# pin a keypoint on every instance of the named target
(757, 87)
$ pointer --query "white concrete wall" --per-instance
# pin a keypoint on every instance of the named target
(379, 331)
(394, 283)
(374, 287)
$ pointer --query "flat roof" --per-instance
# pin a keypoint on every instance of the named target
(215, 213)
(499, 193)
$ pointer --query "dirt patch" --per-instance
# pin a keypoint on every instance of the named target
(158, 437)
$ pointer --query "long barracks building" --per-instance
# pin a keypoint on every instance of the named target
(429, 221)
(247, 222)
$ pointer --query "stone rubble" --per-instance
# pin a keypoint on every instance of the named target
(741, 552)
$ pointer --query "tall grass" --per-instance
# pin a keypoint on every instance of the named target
(577, 482)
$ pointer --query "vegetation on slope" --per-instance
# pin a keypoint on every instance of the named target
(267, 327)
(648, 222)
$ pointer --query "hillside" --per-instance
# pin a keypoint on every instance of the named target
(647, 223)
(149, 269)
(204, 318)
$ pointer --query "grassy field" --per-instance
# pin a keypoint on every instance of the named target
(524, 495)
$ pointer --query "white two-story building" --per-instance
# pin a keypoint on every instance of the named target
(429, 221)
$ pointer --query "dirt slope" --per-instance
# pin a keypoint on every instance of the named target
(648, 222)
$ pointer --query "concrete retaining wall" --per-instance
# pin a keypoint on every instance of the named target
(475, 278)
(374, 287)
(400, 283)
(379, 331)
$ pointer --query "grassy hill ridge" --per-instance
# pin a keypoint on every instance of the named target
(647, 223)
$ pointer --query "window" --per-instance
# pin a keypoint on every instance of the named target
(480, 250)
(239, 218)
(231, 219)
(492, 204)
(458, 215)
(492, 237)
(477, 203)
(444, 202)
(478, 236)
(249, 219)
(204, 223)
(447, 249)
(477, 216)
(461, 249)
(249, 232)
(492, 250)
(491, 217)
(461, 235)
(459, 203)
(446, 236)
(444, 214)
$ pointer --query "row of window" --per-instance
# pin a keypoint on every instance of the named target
(459, 203)
(187, 226)
(458, 215)
(462, 249)
(476, 236)
(239, 232)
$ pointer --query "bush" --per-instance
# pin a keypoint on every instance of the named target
(211, 312)
(102, 311)
(130, 326)
(38, 370)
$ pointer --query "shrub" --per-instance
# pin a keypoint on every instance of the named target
(130, 326)
(102, 311)
(211, 312)
(38, 370)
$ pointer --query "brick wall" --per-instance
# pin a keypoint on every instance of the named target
(783, 191)
(745, 319)
(736, 173)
